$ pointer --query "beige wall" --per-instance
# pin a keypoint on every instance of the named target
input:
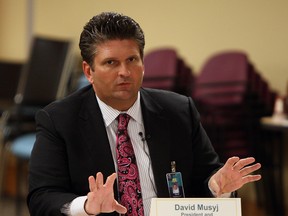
(13, 24)
(197, 28)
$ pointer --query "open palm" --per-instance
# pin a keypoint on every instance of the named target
(100, 199)
(234, 174)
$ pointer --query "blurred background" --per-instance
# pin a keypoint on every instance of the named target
(197, 29)
(238, 37)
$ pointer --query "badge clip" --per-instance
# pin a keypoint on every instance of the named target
(173, 166)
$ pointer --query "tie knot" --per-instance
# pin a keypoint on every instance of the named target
(123, 120)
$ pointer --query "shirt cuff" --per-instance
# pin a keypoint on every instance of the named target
(224, 195)
(77, 206)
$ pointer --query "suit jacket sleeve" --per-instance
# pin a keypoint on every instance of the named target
(71, 145)
(49, 183)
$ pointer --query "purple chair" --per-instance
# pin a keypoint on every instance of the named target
(227, 93)
(164, 69)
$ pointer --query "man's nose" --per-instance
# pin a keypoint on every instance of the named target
(124, 70)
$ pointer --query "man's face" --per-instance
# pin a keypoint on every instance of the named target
(117, 74)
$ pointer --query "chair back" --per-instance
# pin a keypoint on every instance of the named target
(160, 69)
(43, 79)
(226, 78)
(231, 96)
(164, 69)
(45, 75)
(9, 78)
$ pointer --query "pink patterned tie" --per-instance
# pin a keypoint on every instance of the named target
(128, 174)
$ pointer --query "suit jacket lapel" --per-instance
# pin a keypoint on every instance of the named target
(94, 136)
(157, 131)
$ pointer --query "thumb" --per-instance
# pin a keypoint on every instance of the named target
(120, 208)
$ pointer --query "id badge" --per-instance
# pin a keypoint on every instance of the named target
(175, 185)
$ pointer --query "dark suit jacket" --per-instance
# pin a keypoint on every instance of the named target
(72, 144)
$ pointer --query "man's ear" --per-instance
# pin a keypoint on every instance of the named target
(87, 70)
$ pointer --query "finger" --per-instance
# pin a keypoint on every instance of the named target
(120, 208)
(251, 178)
(249, 169)
(231, 161)
(92, 183)
(243, 162)
(110, 180)
(99, 180)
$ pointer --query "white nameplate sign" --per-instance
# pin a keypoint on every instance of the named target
(196, 207)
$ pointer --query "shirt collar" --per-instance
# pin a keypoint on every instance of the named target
(110, 114)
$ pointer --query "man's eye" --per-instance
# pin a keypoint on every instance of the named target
(132, 59)
(110, 62)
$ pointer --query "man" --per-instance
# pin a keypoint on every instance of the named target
(78, 137)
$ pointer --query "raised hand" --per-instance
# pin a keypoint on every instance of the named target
(100, 199)
(233, 175)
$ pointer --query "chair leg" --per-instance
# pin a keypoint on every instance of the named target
(3, 161)
(1, 168)
(18, 187)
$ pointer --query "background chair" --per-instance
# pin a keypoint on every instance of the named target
(231, 98)
(164, 69)
(9, 73)
(44, 78)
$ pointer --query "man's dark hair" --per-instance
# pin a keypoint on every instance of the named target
(109, 26)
